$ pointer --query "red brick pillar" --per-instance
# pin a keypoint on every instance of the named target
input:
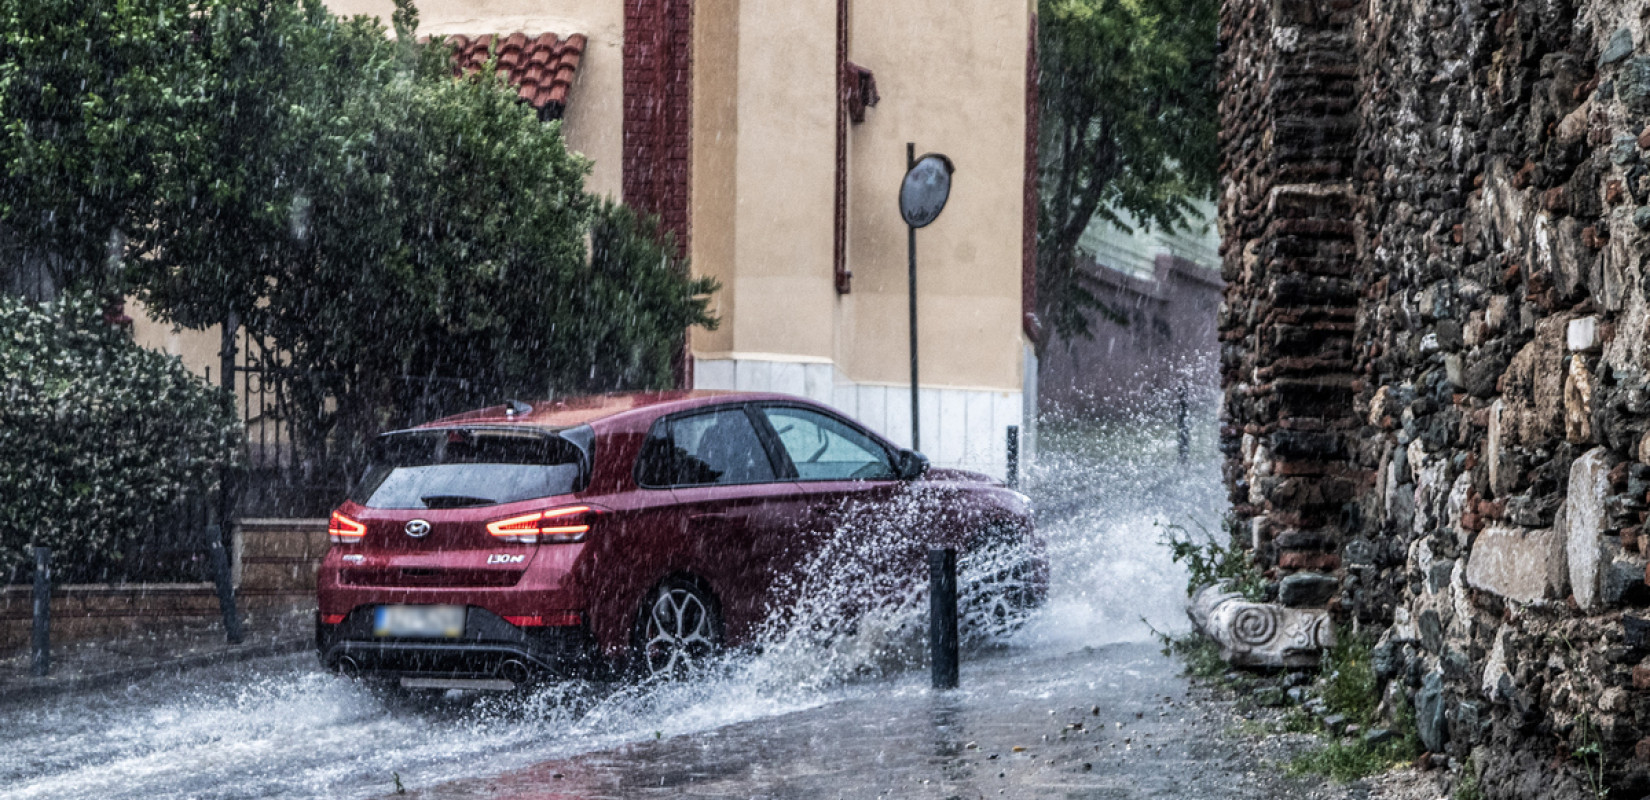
(1288, 208)
(658, 111)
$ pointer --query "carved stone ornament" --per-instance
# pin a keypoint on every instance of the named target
(1261, 634)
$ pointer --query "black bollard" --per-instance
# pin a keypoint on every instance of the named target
(1013, 456)
(226, 591)
(42, 611)
(942, 617)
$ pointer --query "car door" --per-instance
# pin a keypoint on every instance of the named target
(738, 506)
(855, 505)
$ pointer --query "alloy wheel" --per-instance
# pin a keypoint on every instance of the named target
(680, 632)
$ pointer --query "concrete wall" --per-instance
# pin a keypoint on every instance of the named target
(1437, 359)
(952, 80)
(1166, 343)
(1166, 285)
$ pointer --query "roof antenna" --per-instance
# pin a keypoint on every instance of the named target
(513, 408)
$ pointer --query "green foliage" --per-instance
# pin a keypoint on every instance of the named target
(1128, 131)
(1348, 686)
(1199, 654)
(1349, 761)
(1208, 562)
(1589, 750)
(634, 271)
(90, 92)
(233, 219)
(1467, 787)
(99, 437)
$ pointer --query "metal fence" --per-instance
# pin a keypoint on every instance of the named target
(287, 477)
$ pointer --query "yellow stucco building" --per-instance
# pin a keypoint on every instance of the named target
(770, 135)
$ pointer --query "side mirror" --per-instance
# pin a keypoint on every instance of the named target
(910, 465)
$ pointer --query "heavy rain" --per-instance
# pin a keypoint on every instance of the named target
(860, 399)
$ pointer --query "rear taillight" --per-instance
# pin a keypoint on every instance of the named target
(566, 524)
(344, 530)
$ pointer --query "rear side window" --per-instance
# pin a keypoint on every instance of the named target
(720, 447)
(459, 468)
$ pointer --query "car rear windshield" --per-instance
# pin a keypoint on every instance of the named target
(463, 467)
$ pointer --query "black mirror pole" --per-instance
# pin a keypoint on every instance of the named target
(942, 617)
(911, 253)
(42, 646)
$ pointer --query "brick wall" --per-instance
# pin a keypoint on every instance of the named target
(277, 571)
(1287, 258)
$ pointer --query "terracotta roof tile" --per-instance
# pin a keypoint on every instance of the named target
(541, 66)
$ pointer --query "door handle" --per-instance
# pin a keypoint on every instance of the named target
(711, 520)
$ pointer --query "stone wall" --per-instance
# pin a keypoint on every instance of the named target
(1470, 233)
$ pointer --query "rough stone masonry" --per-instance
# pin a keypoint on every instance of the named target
(1436, 359)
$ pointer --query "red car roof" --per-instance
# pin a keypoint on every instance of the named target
(570, 411)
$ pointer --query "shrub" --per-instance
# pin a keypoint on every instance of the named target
(100, 439)
(1208, 562)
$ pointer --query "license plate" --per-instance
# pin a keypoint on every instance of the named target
(433, 622)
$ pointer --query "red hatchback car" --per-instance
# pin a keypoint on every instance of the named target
(622, 533)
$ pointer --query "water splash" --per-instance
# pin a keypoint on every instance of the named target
(281, 728)
(1108, 492)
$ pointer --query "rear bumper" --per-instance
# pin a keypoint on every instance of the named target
(486, 647)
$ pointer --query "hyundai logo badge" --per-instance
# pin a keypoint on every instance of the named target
(418, 528)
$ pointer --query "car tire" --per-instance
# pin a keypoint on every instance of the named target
(998, 587)
(678, 631)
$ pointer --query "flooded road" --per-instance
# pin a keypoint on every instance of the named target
(281, 728)
(1109, 722)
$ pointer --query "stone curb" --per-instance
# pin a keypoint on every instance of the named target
(40, 688)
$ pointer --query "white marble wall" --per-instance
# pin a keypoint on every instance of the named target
(966, 428)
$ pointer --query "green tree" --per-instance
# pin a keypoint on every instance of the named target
(1128, 131)
(449, 247)
(634, 270)
(402, 242)
(91, 92)
(235, 211)
(411, 244)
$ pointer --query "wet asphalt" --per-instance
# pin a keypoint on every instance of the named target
(1116, 721)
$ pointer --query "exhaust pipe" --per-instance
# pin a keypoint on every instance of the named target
(348, 667)
(515, 671)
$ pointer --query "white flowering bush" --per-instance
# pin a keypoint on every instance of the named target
(100, 439)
